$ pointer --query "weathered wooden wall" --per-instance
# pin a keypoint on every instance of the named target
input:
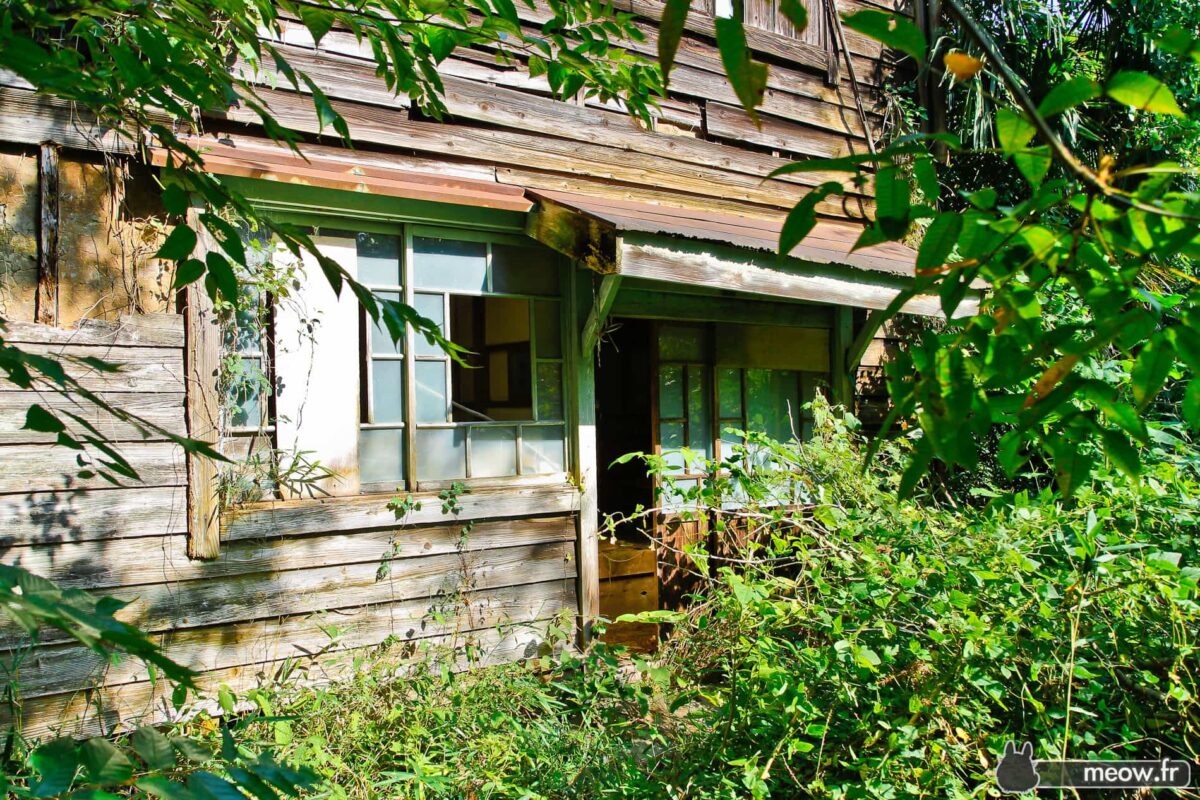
(288, 574)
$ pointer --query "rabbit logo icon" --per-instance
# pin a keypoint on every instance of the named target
(1016, 771)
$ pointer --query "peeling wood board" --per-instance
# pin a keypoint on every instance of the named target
(141, 369)
(38, 468)
(164, 409)
(83, 515)
(140, 330)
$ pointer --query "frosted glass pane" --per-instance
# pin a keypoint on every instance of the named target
(549, 390)
(430, 306)
(441, 454)
(449, 264)
(493, 452)
(381, 337)
(670, 392)
(549, 329)
(387, 391)
(542, 450)
(524, 270)
(771, 395)
(729, 388)
(699, 411)
(681, 343)
(378, 259)
(431, 391)
(670, 437)
(381, 456)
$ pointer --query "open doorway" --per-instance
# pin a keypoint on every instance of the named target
(624, 423)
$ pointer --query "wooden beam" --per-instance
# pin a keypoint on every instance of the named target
(47, 291)
(591, 242)
(673, 303)
(602, 304)
(854, 353)
(842, 383)
(202, 358)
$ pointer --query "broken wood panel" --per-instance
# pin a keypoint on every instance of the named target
(162, 409)
(121, 563)
(331, 515)
(48, 220)
(123, 707)
(140, 369)
(70, 667)
(91, 514)
(140, 330)
(199, 603)
(37, 468)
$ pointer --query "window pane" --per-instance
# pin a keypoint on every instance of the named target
(378, 259)
(771, 396)
(670, 392)
(449, 264)
(548, 323)
(674, 500)
(381, 456)
(441, 454)
(542, 450)
(431, 391)
(381, 338)
(699, 411)
(681, 343)
(524, 270)
(670, 437)
(430, 306)
(498, 384)
(549, 390)
(245, 400)
(493, 452)
(729, 387)
(387, 391)
(245, 335)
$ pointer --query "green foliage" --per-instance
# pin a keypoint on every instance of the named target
(849, 646)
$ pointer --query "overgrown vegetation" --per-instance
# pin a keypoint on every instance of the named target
(854, 646)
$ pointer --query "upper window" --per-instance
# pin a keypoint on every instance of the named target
(765, 15)
(497, 410)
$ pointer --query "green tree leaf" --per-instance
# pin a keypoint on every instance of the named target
(670, 31)
(1013, 131)
(1123, 454)
(939, 240)
(1143, 92)
(1150, 371)
(892, 202)
(1034, 164)
(104, 763)
(178, 245)
(747, 77)
(153, 748)
(796, 13)
(893, 30)
(55, 763)
(1067, 95)
(803, 216)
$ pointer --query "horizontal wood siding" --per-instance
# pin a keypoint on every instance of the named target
(313, 582)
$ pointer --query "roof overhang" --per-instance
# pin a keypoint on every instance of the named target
(725, 251)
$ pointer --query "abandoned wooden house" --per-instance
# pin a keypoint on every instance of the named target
(618, 288)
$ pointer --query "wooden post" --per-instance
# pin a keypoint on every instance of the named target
(202, 357)
(47, 288)
(842, 386)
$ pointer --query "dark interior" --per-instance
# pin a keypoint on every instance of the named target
(624, 422)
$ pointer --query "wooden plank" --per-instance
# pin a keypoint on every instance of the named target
(38, 468)
(623, 559)
(499, 146)
(29, 118)
(316, 352)
(141, 330)
(162, 409)
(727, 122)
(71, 667)
(123, 563)
(141, 369)
(728, 307)
(328, 515)
(47, 291)
(126, 706)
(204, 336)
(90, 515)
(199, 603)
(630, 595)
(839, 365)
(584, 239)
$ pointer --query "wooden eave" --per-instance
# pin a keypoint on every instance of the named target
(726, 251)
